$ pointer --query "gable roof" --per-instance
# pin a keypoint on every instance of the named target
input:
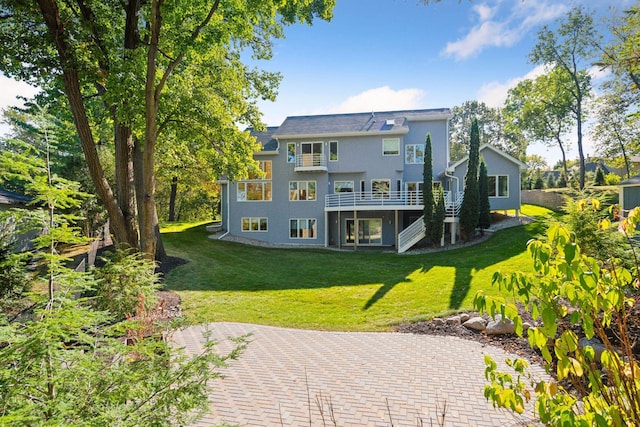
(11, 198)
(633, 181)
(353, 124)
(512, 159)
(266, 140)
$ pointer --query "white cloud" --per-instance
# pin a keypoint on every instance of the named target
(507, 31)
(378, 99)
(495, 93)
(10, 89)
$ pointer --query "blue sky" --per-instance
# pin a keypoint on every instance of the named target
(400, 54)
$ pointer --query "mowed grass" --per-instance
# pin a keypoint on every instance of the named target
(335, 290)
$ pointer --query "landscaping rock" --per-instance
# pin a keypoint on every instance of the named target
(526, 326)
(476, 323)
(500, 326)
(594, 343)
(438, 322)
(454, 320)
(464, 317)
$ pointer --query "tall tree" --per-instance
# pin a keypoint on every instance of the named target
(470, 209)
(146, 68)
(484, 216)
(542, 110)
(493, 125)
(427, 187)
(570, 47)
(617, 130)
(439, 215)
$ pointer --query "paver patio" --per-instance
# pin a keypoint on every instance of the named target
(285, 376)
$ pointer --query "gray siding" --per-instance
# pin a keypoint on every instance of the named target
(630, 197)
(497, 165)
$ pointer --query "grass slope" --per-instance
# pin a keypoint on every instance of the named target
(334, 290)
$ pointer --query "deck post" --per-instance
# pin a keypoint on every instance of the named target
(339, 231)
(326, 229)
(355, 230)
(453, 233)
(396, 222)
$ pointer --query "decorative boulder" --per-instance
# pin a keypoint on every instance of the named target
(594, 343)
(476, 323)
(454, 320)
(500, 326)
(438, 322)
(464, 317)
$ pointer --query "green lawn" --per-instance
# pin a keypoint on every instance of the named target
(336, 290)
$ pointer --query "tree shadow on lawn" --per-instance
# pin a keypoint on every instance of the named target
(230, 267)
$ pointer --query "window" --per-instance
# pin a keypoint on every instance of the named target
(333, 151)
(498, 185)
(302, 228)
(254, 224)
(380, 188)
(414, 154)
(302, 190)
(256, 188)
(391, 147)
(414, 192)
(343, 187)
(312, 153)
(291, 152)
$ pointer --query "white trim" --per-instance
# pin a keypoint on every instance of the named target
(497, 186)
(414, 154)
(337, 151)
(381, 179)
(521, 165)
(390, 139)
(315, 184)
(401, 131)
(344, 180)
(294, 152)
(315, 228)
(253, 219)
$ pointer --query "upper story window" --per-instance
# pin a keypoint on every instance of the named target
(343, 187)
(414, 154)
(302, 190)
(256, 188)
(498, 185)
(391, 147)
(333, 151)
(291, 152)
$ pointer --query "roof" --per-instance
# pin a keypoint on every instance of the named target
(520, 164)
(352, 124)
(11, 198)
(634, 180)
(266, 139)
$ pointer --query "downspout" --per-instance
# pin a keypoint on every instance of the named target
(228, 213)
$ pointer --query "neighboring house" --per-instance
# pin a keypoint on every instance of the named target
(11, 200)
(630, 193)
(349, 180)
(503, 171)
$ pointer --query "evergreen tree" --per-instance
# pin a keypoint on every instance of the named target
(437, 229)
(484, 219)
(599, 180)
(539, 183)
(427, 187)
(562, 181)
(550, 181)
(469, 211)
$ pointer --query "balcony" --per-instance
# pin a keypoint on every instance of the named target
(310, 163)
(411, 200)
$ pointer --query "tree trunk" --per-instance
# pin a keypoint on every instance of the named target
(172, 199)
(580, 150)
(125, 180)
(49, 10)
(564, 158)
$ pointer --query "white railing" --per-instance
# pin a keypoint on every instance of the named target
(311, 161)
(390, 198)
(411, 235)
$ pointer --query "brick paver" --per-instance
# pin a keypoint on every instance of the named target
(289, 377)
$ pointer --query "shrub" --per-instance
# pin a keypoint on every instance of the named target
(599, 177)
(550, 181)
(570, 288)
(612, 179)
(124, 276)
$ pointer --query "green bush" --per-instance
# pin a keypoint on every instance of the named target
(599, 177)
(124, 277)
(612, 179)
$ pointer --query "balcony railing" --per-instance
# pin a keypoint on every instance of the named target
(390, 198)
(310, 162)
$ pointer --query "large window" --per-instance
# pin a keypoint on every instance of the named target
(380, 188)
(414, 192)
(498, 185)
(414, 154)
(302, 228)
(369, 231)
(291, 152)
(333, 151)
(256, 188)
(302, 190)
(254, 224)
(391, 147)
(343, 187)
(312, 153)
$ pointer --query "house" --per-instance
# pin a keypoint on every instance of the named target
(11, 200)
(503, 172)
(629, 191)
(352, 180)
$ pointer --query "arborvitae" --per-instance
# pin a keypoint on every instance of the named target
(550, 181)
(437, 230)
(427, 186)
(469, 211)
(539, 183)
(562, 181)
(599, 180)
(484, 218)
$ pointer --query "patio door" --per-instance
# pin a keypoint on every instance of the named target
(311, 153)
(369, 231)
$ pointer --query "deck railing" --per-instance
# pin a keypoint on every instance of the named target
(389, 198)
(311, 162)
